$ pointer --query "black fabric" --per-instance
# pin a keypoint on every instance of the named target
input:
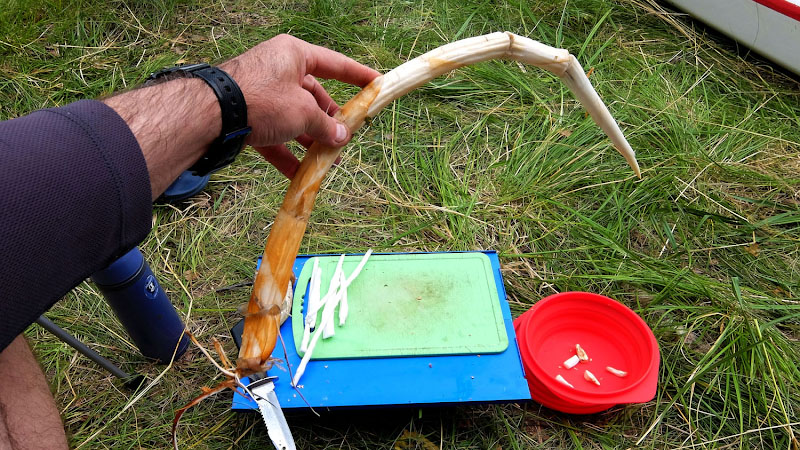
(74, 196)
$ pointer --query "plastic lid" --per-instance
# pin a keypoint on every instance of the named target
(612, 335)
(120, 270)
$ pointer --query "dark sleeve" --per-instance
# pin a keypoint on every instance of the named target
(74, 196)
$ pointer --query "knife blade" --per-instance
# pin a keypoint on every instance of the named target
(278, 430)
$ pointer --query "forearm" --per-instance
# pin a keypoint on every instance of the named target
(174, 123)
(29, 418)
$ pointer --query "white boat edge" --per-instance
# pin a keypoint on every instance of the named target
(774, 34)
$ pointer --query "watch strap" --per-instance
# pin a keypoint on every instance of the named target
(224, 149)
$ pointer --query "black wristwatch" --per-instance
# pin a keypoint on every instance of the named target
(234, 114)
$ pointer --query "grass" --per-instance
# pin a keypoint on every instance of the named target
(705, 247)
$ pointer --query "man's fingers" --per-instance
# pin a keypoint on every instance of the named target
(321, 127)
(325, 63)
(304, 140)
(280, 157)
(324, 100)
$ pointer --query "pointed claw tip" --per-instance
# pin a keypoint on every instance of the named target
(636, 170)
(631, 160)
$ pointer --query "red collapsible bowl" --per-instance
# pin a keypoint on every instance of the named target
(612, 335)
(541, 393)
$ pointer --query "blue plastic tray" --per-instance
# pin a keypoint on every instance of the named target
(424, 380)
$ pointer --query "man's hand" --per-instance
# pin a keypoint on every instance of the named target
(284, 99)
(176, 121)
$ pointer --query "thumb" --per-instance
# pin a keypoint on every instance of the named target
(325, 129)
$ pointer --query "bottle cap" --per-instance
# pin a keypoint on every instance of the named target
(121, 270)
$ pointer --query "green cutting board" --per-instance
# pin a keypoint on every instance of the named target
(410, 305)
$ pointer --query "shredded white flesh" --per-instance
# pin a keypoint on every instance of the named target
(617, 372)
(312, 305)
(314, 294)
(307, 356)
(344, 309)
(306, 337)
(337, 270)
(330, 306)
(336, 295)
(561, 380)
(589, 376)
(333, 286)
(572, 362)
(581, 353)
(327, 319)
(327, 330)
(359, 267)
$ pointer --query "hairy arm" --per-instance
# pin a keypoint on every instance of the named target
(29, 418)
(174, 123)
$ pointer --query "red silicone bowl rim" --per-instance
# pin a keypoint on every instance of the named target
(542, 395)
(536, 370)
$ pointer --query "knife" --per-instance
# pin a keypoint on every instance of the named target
(263, 391)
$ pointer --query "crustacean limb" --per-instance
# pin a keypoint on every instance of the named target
(261, 320)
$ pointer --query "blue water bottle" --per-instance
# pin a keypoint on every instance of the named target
(142, 306)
